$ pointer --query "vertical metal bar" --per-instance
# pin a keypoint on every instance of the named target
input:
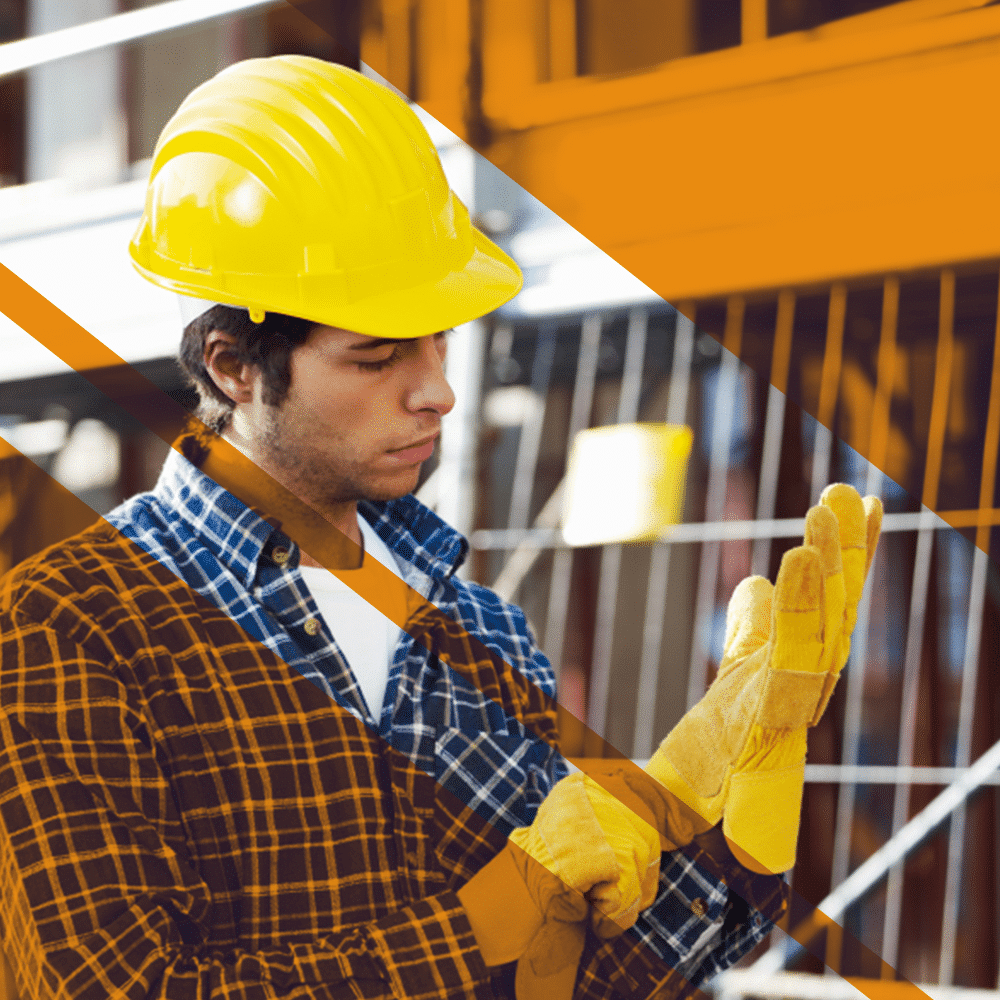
(600, 671)
(659, 559)
(885, 379)
(963, 752)
(611, 556)
(970, 665)
(918, 604)
(531, 432)
(680, 375)
(635, 356)
(991, 448)
(942, 388)
(722, 428)
(907, 730)
(781, 943)
(501, 345)
(774, 424)
(886, 375)
(829, 386)
(579, 418)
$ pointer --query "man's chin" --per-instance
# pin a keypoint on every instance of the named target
(384, 491)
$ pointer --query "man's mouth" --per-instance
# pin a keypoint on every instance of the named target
(412, 454)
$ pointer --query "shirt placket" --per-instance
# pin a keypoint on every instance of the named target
(280, 589)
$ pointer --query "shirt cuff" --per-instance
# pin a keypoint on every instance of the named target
(710, 911)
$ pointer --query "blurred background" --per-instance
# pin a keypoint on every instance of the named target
(797, 207)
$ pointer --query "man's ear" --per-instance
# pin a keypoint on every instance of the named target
(233, 379)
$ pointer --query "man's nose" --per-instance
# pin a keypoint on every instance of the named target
(430, 389)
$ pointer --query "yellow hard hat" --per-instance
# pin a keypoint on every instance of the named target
(298, 186)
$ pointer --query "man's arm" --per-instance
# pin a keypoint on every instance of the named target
(739, 755)
(709, 913)
(703, 891)
(103, 898)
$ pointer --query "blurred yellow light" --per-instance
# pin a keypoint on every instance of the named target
(625, 483)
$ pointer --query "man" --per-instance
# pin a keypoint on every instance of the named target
(225, 774)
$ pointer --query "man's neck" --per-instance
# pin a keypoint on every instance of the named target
(235, 472)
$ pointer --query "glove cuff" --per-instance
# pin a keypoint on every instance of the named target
(762, 816)
(502, 913)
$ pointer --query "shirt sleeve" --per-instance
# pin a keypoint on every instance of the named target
(698, 926)
(97, 885)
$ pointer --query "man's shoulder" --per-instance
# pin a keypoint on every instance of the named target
(97, 566)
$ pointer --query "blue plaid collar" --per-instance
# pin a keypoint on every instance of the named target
(237, 534)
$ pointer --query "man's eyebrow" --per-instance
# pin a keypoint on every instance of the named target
(371, 343)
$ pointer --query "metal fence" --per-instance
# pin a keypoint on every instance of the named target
(808, 386)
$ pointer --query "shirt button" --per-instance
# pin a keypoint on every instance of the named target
(280, 554)
(411, 856)
(311, 626)
(698, 907)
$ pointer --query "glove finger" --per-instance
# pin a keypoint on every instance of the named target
(552, 896)
(748, 618)
(567, 837)
(621, 812)
(604, 927)
(822, 533)
(873, 528)
(846, 504)
(650, 884)
(624, 916)
(797, 628)
(562, 904)
(635, 891)
(557, 946)
(637, 791)
(620, 901)
(633, 836)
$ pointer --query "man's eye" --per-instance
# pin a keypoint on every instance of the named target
(377, 366)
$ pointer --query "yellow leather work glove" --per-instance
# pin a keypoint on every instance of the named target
(529, 902)
(740, 752)
(582, 830)
(675, 823)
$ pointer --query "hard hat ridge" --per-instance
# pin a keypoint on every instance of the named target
(302, 187)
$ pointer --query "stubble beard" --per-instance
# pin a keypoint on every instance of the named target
(311, 480)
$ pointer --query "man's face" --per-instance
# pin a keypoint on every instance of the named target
(360, 417)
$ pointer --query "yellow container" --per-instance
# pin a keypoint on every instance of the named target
(625, 483)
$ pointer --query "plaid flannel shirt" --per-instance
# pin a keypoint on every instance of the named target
(182, 815)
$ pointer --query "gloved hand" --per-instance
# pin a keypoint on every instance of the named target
(582, 832)
(740, 752)
(676, 824)
(529, 903)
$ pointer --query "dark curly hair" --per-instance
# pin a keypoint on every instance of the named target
(267, 346)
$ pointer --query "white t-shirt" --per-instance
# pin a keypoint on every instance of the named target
(365, 636)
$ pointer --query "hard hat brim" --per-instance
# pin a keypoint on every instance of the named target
(488, 279)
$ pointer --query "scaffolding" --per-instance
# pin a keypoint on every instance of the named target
(918, 644)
